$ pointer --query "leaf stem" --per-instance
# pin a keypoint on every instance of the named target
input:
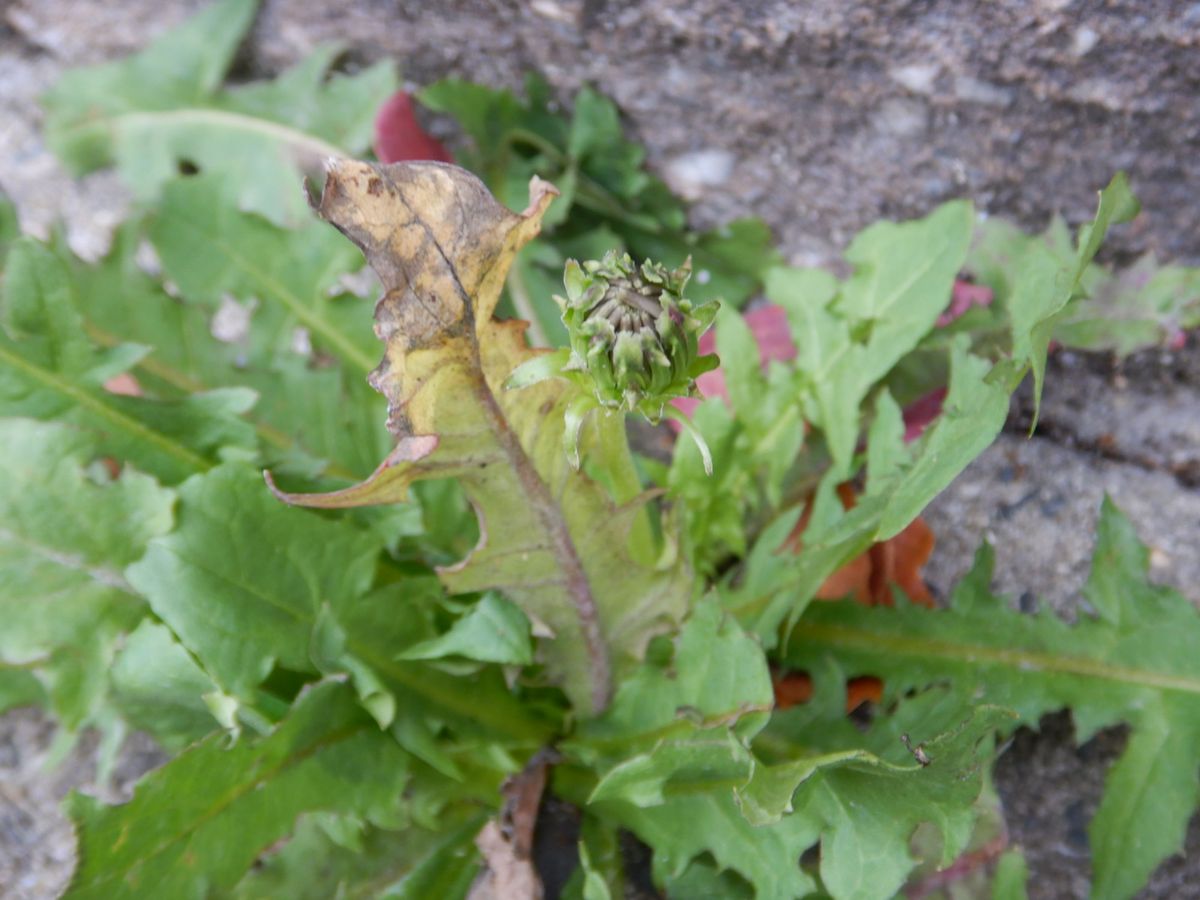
(577, 585)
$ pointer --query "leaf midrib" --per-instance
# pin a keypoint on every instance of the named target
(108, 578)
(236, 793)
(311, 319)
(91, 403)
(1025, 661)
(214, 118)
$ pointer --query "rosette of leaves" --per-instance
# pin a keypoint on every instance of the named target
(633, 343)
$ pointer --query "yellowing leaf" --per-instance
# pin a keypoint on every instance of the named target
(555, 541)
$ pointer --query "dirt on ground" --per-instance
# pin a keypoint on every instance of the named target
(820, 118)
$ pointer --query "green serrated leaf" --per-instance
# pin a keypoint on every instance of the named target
(903, 277)
(687, 827)
(163, 109)
(868, 807)
(241, 581)
(1046, 283)
(197, 824)
(310, 417)
(1135, 664)
(973, 414)
(673, 747)
(51, 370)
(693, 690)
(159, 688)
(493, 630)
(64, 539)
(904, 272)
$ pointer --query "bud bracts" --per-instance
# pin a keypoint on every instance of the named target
(633, 332)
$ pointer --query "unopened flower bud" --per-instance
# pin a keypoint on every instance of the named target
(634, 344)
(633, 332)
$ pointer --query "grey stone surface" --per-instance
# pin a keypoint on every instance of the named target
(1037, 503)
(820, 117)
(37, 846)
(833, 113)
(839, 113)
(1050, 789)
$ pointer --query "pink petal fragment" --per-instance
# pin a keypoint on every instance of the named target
(124, 384)
(962, 298)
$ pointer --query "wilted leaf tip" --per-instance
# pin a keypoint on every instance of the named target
(440, 242)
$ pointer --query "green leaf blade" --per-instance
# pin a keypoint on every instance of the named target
(52, 371)
(64, 540)
(494, 630)
(162, 110)
(1150, 794)
(198, 824)
(241, 581)
(1136, 663)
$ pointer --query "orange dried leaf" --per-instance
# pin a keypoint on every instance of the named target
(869, 577)
(794, 688)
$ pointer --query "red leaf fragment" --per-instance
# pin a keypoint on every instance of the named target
(399, 137)
(921, 413)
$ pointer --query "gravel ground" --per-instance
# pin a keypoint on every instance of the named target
(820, 118)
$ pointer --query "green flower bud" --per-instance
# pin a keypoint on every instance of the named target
(633, 333)
(634, 345)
